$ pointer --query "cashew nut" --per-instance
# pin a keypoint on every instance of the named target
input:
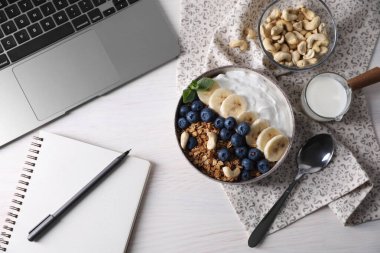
(312, 61)
(309, 14)
(301, 48)
(310, 54)
(287, 24)
(268, 26)
(264, 32)
(288, 15)
(296, 56)
(250, 34)
(276, 30)
(297, 26)
(267, 43)
(323, 50)
(276, 13)
(212, 138)
(299, 36)
(313, 24)
(316, 46)
(303, 32)
(277, 37)
(323, 40)
(289, 64)
(300, 16)
(184, 138)
(284, 48)
(303, 63)
(231, 173)
(293, 46)
(307, 35)
(291, 38)
(242, 44)
(282, 56)
(277, 46)
(281, 40)
(322, 28)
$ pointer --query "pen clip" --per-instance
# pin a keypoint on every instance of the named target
(47, 217)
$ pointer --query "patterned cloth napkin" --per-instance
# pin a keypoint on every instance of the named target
(350, 185)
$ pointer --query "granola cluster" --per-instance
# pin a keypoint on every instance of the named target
(206, 160)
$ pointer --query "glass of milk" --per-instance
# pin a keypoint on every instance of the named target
(326, 97)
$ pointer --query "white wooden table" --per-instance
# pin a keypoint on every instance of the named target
(182, 211)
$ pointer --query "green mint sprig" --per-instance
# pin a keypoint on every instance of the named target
(201, 85)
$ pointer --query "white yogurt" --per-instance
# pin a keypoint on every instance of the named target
(262, 97)
(326, 96)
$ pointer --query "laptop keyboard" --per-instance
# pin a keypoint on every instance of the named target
(27, 26)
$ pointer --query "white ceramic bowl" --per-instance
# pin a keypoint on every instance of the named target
(280, 95)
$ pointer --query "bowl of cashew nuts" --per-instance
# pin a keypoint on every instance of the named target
(297, 35)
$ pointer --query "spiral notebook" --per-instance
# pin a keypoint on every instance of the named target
(55, 169)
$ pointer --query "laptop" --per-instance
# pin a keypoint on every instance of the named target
(58, 54)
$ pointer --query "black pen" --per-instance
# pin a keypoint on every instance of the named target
(46, 223)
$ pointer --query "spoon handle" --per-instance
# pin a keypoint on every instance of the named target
(262, 228)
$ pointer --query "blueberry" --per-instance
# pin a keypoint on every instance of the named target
(183, 110)
(254, 154)
(207, 115)
(243, 128)
(183, 123)
(237, 140)
(197, 106)
(192, 117)
(219, 122)
(241, 152)
(246, 175)
(225, 134)
(230, 123)
(263, 166)
(191, 143)
(247, 164)
(223, 154)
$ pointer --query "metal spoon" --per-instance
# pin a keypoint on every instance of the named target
(312, 157)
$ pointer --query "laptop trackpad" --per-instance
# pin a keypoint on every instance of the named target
(66, 75)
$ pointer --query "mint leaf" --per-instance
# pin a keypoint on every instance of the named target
(205, 83)
(188, 95)
(194, 85)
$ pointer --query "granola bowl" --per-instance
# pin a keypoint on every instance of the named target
(234, 125)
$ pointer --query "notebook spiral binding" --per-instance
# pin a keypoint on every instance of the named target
(19, 195)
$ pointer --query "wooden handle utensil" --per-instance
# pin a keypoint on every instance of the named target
(367, 78)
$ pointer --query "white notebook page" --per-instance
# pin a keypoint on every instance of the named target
(102, 221)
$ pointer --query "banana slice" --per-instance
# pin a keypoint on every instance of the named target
(217, 98)
(248, 117)
(205, 95)
(276, 147)
(265, 136)
(233, 106)
(256, 128)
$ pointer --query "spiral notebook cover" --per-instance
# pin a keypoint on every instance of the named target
(55, 169)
